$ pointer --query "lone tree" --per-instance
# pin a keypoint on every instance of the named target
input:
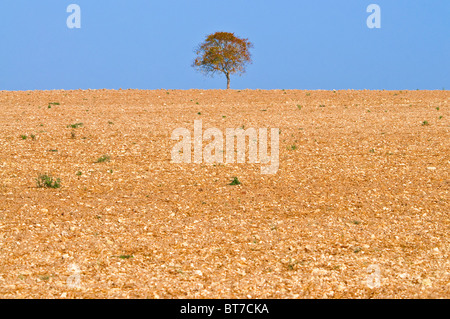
(223, 52)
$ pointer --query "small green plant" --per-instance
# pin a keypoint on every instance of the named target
(76, 125)
(235, 181)
(299, 106)
(425, 123)
(110, 123)
(124, 256)
(104, 158)
(199, 113)
(372, 150)
(52, 103)
(79, 173)
(291, 264)
(47, 181)
(293, 147)
(321, 105)
(440, 117)
(33, 137)
(437, 108)
(308, 94)
(23, 137)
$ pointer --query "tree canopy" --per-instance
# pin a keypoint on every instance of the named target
(223, 52)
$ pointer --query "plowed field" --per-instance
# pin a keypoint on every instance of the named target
(359, 207)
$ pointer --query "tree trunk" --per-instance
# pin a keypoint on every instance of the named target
(228, 81)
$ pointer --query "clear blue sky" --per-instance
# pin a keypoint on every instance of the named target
(298, 44)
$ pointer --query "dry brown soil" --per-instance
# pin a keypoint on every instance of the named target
(361, 194)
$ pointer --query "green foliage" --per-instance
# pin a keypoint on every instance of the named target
(104, 158)
(76, 125)
(235, 181)
(52, 103)
(47, 181)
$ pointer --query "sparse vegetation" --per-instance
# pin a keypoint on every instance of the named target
(52, 103)
(47, 181)
(235, 181)
(124, 256)
(335, 191)
(76, 125)
(104, 158)
(291, 264)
